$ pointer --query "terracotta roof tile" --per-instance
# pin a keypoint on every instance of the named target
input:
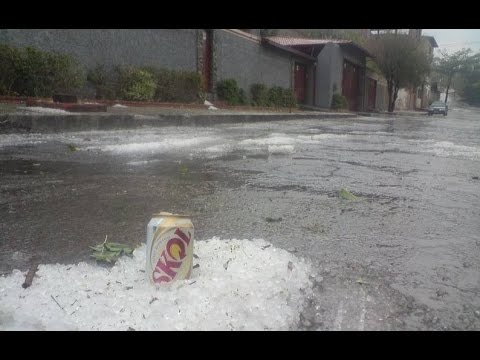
(291, 41)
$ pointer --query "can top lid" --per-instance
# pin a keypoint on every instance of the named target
(164, 213)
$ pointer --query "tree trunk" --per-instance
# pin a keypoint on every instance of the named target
(390, 96)
(422, 103)
(395, 96)
(448, 87)
(390, 104)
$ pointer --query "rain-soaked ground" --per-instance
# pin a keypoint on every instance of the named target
(402, 257)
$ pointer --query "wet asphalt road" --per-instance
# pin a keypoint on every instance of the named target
(404, 256)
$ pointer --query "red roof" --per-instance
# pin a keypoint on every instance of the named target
(290, 41)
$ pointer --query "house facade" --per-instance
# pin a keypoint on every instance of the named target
(315, 69)
(376, 92)
(338, 66)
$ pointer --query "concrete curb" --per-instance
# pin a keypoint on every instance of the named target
(101, 121)
(371, 114)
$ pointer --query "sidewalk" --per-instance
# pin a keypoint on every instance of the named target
(14, 117)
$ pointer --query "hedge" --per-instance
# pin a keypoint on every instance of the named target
(32, 72)
(339, 102)
(147, 83)
(228, 90)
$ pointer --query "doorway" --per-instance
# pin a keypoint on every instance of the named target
(350, 84)
(372, 93)
(299, 81)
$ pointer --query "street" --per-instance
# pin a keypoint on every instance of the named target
(404, 256)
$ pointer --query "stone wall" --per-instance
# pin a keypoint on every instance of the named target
(170, 48)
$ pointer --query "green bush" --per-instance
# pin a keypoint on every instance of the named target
(165, 83)
(65, 73)
(471, 93)
(147, 83)
(339, 102)
(32, 72)
(242, 97)
(259, 93)
(275, 96)
(289, 98)
(228, 90)
(135, 84)
(189, 87)
(10, 58)
(103, 81)
(177, 86)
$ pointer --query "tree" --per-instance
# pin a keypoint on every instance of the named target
(402, 60)
(450, 65)
(471, 79)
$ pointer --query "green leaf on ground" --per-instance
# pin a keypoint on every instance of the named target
(183, 170)
(347, 195)
(110, 251)
(72, 147)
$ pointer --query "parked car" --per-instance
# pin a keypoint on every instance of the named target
(438, 107)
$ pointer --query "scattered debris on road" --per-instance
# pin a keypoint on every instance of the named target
(30, 275)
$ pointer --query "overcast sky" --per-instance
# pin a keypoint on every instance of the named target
(455, 39)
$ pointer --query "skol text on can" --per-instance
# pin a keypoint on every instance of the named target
(169, 248)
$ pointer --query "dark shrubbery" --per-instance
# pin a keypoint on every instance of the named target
(275, 96)
(177, 86)
(103, 81)
(165, 81)
(147, 83)
(135, 84)
(10, 59)
(280, 97)
(339, 102)
(259, 94)
(228, 90)
(242, 97)
(289, 98)
(471, 93)
(32, 72)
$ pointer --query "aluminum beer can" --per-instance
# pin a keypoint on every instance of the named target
(169, 252)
